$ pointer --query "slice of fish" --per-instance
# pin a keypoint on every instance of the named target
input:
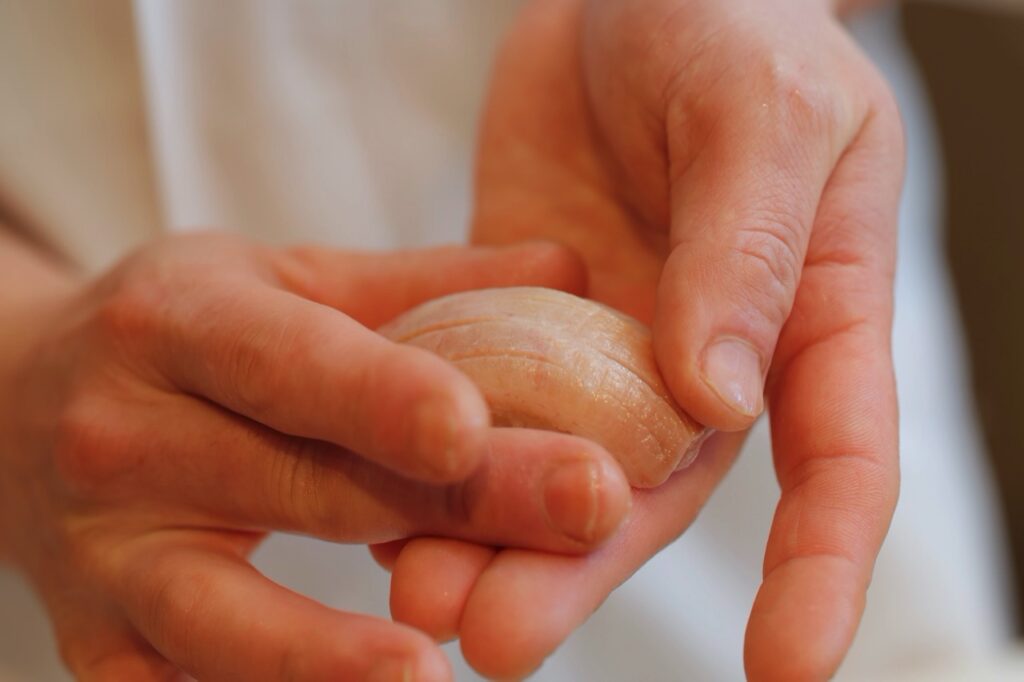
(550, 360)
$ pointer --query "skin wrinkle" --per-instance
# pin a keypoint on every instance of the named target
(783, 358)
(779, 254)
(852, 255)
(304, 485)
(846, 258)
(840, 146)
(457, 502)
(167, 598)
(798, 546)
(777, 374)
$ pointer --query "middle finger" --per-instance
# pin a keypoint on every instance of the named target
(535, 489)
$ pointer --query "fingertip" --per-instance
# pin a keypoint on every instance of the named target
(720, 384)
(515, 644)
(140, 665)
(614, 501)
(712, 352)
(523, 607)
(803, 620)
(432, 581)
(585, 495)
(537, 489)
(431, 420)
(386, 553)
(431, 665)
(418, 659)
(448, 436)
(553, 265)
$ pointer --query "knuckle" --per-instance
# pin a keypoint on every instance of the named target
(89, 450)
(860, 239)
(298, 490)
(558, 263)
(456, 505)
(770, 250)
(122, 665)
(793, 95)
(260, 358)
(137, 296)
(462, 501)
(75, 654)
(128, 314)
(246, 376)
(292, 661)
(296, 269)
(175, 609)
(301, 481)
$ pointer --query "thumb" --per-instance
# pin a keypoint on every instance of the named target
(742, 214)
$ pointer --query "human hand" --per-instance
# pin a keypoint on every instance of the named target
(157, 421)
(731, 172)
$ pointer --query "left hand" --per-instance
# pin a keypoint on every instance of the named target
(158, 420)
(730, 171)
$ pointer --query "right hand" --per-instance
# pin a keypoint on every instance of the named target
(155, 423)
(730, 172)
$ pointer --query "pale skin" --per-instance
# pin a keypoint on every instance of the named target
(729, 171)
(158, 420)
(726, 170)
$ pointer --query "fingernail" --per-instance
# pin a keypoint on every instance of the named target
(693, 449)
(571, 499)
(732, 368)
(390, 670)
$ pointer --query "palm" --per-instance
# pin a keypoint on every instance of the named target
(543, 172)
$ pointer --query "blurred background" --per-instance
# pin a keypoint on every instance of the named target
(972, 62)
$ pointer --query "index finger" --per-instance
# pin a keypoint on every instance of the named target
(287, 358)
(307, 370)
(834, 422)
(400, 280)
